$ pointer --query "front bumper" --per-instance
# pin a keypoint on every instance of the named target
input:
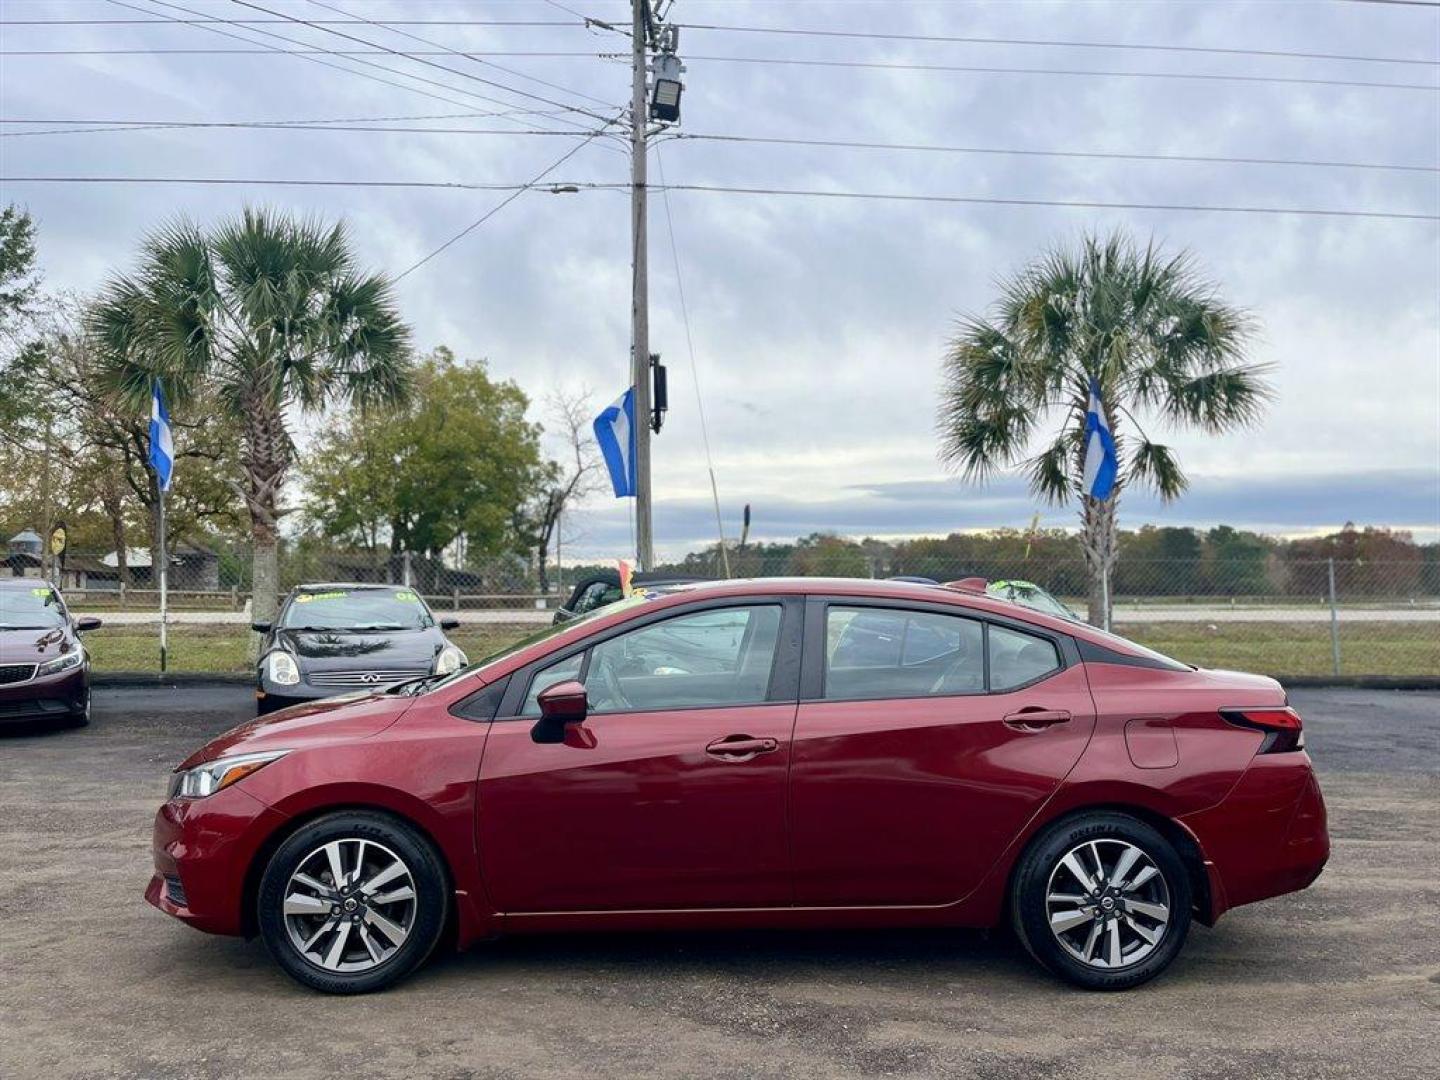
(203, 849)
(47, 696)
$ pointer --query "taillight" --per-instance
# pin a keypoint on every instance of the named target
(1282, 727)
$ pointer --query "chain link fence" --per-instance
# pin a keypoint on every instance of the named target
(1272, 613)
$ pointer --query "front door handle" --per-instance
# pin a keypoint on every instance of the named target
(741, 747)
(1034, 719)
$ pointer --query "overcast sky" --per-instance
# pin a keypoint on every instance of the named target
(818, 324)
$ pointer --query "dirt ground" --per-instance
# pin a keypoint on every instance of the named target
(1341, 980)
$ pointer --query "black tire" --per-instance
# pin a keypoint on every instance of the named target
(1031, 913)
(80, 717)
(427, 918)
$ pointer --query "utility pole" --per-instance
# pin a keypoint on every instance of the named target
(640, 282)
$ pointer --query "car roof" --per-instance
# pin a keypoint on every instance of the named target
(315, 586)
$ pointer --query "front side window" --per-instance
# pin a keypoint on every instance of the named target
(881, 653)
(1017, 658)
(710, 658)
(598, 595)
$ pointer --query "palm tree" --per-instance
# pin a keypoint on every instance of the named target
(1146, 326)
(271, 314)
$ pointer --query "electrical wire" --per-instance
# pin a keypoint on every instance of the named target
(1083, 204)
(265, 181)
(527, 53)
(469, 56)
(421, 60)
(500, 205)
(1052, 43)
(975, 69)
(1103, 155)
(694, 367)
(203, 25)
(294, 126)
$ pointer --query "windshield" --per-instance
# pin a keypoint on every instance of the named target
(35, 608)
(434, 682)
(356, 609)
(1031, 596)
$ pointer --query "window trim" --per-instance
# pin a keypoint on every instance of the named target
(784, 674)
(817, 607)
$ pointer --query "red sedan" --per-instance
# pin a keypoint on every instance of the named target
(788, 753)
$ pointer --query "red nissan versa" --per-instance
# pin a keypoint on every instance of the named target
(788, 753)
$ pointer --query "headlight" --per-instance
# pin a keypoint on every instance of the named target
(62, 663)
(283, 669)
(209, 778)
(450, 659)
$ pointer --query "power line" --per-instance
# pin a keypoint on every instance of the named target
(559, 187)
(458, 185)
(1103, 155)
(883, 65)
(421, 60)
(202, 20)
(528, 53)
(1052, 43)
(1074, 203)
(498, 206)
(292, 126)
(467, 56)
(203, 25)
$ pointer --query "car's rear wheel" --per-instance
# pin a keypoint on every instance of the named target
(1102, 900)
(352, 902)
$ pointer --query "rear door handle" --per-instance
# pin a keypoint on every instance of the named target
(741, 747)
(1035, 719)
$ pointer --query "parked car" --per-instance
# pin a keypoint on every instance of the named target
(716, 757)
(44, 666)
(602, 588)
(331, 639)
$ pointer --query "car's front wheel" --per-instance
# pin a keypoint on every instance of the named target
(1102, 900)
(352, 902)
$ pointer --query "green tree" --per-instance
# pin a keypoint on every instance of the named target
(19, 288)
(270, 314)
(457, 459)
(1146, 326)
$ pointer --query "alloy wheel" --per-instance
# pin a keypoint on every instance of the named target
(1107, 903)
(349, 905)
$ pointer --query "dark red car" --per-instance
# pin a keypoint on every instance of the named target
(789, 753)
(44, 668)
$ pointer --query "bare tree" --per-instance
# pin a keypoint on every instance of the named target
(570, 480)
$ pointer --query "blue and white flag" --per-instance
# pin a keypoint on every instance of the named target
(615, 432)
(1100, 461)
(162, 447)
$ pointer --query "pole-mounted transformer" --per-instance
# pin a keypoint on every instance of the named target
(659, 393)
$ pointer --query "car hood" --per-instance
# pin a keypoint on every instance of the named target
(32, 646)
(372, 650)
(337, 719)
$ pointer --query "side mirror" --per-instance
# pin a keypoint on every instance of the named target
(261, 627)
(561, 705)
(87, 622)
(449, 624)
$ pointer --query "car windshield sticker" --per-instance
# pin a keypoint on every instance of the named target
(407, 596)
(305, 598)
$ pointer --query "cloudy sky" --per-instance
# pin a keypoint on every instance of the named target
(818, 323)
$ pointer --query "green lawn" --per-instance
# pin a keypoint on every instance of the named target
(1366, 648)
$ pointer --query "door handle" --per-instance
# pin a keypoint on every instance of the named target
(741, 747)
(1034, 719)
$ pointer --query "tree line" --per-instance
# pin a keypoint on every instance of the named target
(265, 334)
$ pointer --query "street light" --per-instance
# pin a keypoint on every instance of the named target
(665, 95)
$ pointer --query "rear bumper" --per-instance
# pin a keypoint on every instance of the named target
(203, 850)
(1268, 837)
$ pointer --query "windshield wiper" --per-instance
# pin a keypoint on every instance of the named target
(380, 626)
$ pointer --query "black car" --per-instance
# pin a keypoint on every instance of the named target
(44, 669)
(339, 638)
(603, 588)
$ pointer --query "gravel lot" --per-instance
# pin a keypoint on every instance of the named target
(1340, 980)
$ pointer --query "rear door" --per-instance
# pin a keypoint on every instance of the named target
(671, 794)
(925, 740)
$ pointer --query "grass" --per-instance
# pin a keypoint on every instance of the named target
(1366, 648)
(223, 649)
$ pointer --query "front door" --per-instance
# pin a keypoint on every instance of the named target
(912, 769)
(671, 794)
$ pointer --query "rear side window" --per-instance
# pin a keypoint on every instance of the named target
(880, 653)
(1017, 658)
